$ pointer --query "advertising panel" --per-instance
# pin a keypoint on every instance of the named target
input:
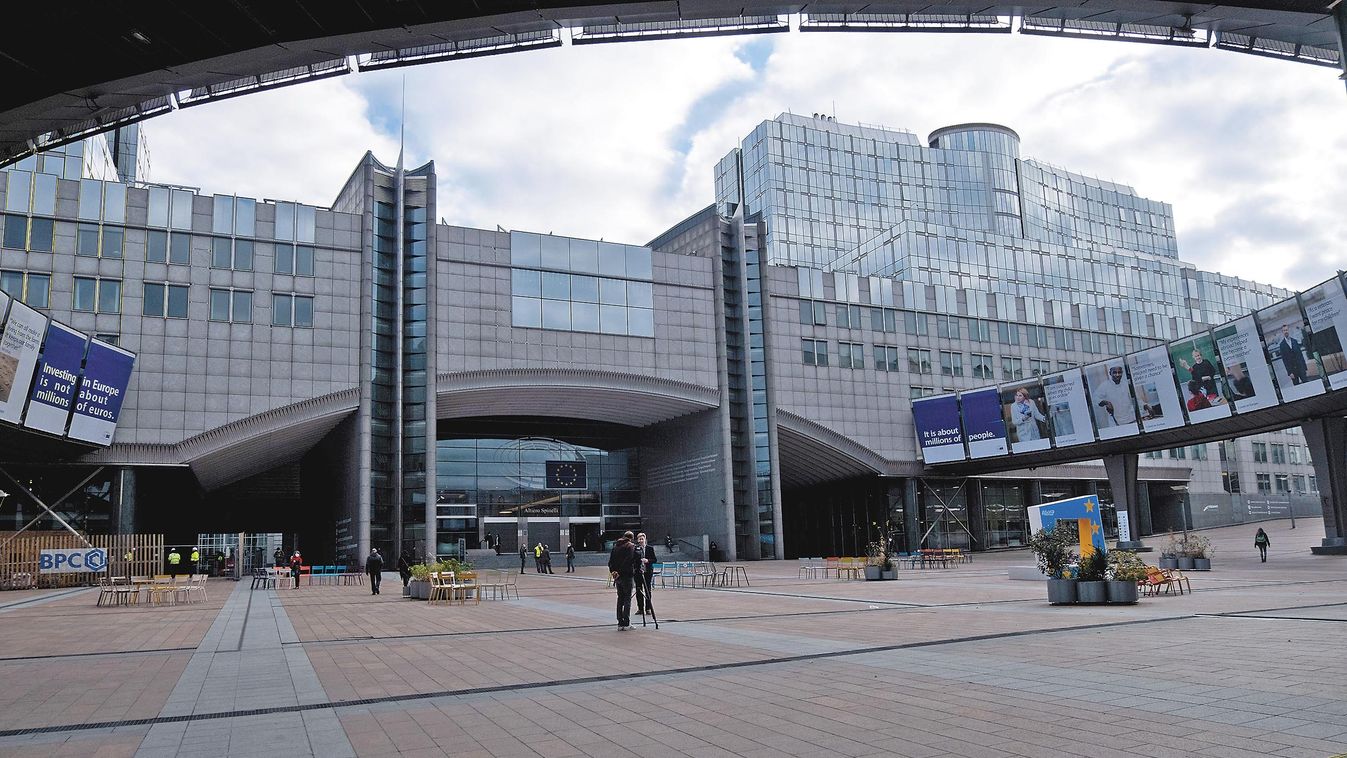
(92, 559)
(107, 372)
(982, 424)
(19, 347)
(1024, 411)
(939, 434)
(1153, 387)
(1287, 338)
(1202, 384)
(58, 373)
(1326, 308)
(1111, 399)
(1246, 370)
(1068, 408)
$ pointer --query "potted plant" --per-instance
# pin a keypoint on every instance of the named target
(880, 554)
(1185, 553)
(1199, 547)
(1052, 551)
(1169, 554)
(874, 562)
(1090, 585)
(419, 587)
(1125, 569)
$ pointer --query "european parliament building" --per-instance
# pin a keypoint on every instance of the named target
(360, 375)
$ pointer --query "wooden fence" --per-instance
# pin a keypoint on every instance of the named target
(18, 559)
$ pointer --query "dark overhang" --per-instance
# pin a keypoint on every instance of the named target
(75, 69)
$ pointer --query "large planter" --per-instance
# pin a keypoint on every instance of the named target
(889, 575)
(406, 590)
(1061, 591)
(1202, 564)
(1169, 563)
(419, 589)
(1185, 563)
(1122, 592)
(872, 573)
(1091, 592)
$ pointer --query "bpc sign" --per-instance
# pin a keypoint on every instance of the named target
(72, 561)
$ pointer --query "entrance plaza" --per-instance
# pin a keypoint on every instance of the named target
(958, 661)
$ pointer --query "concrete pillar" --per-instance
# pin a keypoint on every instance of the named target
(1122, 479)
(1327, 438)
(977, 514)
(1141, 519)
(124, 501)
(911, 514)
(1033, 492)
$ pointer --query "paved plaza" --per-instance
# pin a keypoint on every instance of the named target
(953, 662)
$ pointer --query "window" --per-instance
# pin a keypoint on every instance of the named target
(1314, 484)
(291, 310)
(919, 361)
(231, 305)
(33, 289)
(98, 295)
(88, 236)
(1199, 452)
(815, 352)
(582, 303)
(850, 355)
(1012, 368)
(980, 331)
(1294, 451)
(982, 366)
(812, 312)
(1155, 454)
(40, 235)
(884, 319)
(915, 324)
(1260, 452)
(1007, 334)
(1230, 481)
(1298, 483)
(1065, 340)
(947, 327)
(1178, 453)
(1039, 368)
(951, 364)
(235, 254)
(1065, 365)
(1037, 335)
(916, 392)
(1278, 453)
(1227, 450)
(1283, 484)
(111, 339)
(16, 232)
(849, 316)
(165, 300)
(1264, 483)
(886, 358)
(294, 259)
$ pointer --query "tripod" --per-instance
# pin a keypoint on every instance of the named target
(644, 586)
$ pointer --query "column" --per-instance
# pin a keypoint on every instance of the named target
(1327, 438)
(977, 515)
(911, 514)
(124, 501)
(1122, 479)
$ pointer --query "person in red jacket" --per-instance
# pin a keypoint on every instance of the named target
(296, 561)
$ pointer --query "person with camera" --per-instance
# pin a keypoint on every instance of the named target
(645, 553)
(623, 564)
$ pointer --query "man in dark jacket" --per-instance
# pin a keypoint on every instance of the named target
(622, 564)
(405, 568)
(645, 554)
(374, 566)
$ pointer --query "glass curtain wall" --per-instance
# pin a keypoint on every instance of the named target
(1007, 523)
(384, 380)
(944, 514)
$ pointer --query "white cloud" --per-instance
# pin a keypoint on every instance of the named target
(619, 141)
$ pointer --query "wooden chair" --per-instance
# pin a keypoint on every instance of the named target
(463, 583)
(1155, 581)
(1178, 579)
(440, 587)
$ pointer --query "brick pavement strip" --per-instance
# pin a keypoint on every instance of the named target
(1250, 663)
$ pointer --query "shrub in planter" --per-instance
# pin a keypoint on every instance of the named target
(419, 586)
(1169, 555)
(1052, 552)
(1090, 587)
(1125, 569)
(1199, 549)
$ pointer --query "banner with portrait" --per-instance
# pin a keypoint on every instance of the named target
(1326, 308)
(1202, 383)
(1153, 387)
(1115, 415)
(1246, 371)
(1024, 410)
(19, 345)
(1068, 408)
(1288, 340)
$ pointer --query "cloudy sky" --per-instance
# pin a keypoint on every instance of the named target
(618, 141)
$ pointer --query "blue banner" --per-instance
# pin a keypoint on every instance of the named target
(58, 374)
(107, 372)
(983, 424)
(938, 432)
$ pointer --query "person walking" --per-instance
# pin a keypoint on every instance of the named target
(570, 558)
(296, 560)
(404, 569)
(278, 556)
(547, 560)
(374, 566)
(1261, 542)
(174, 558)
(523, 558)
(622, 564)
(645, 555)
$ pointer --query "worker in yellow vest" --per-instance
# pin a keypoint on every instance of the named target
(174, 558)
(196, 560)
